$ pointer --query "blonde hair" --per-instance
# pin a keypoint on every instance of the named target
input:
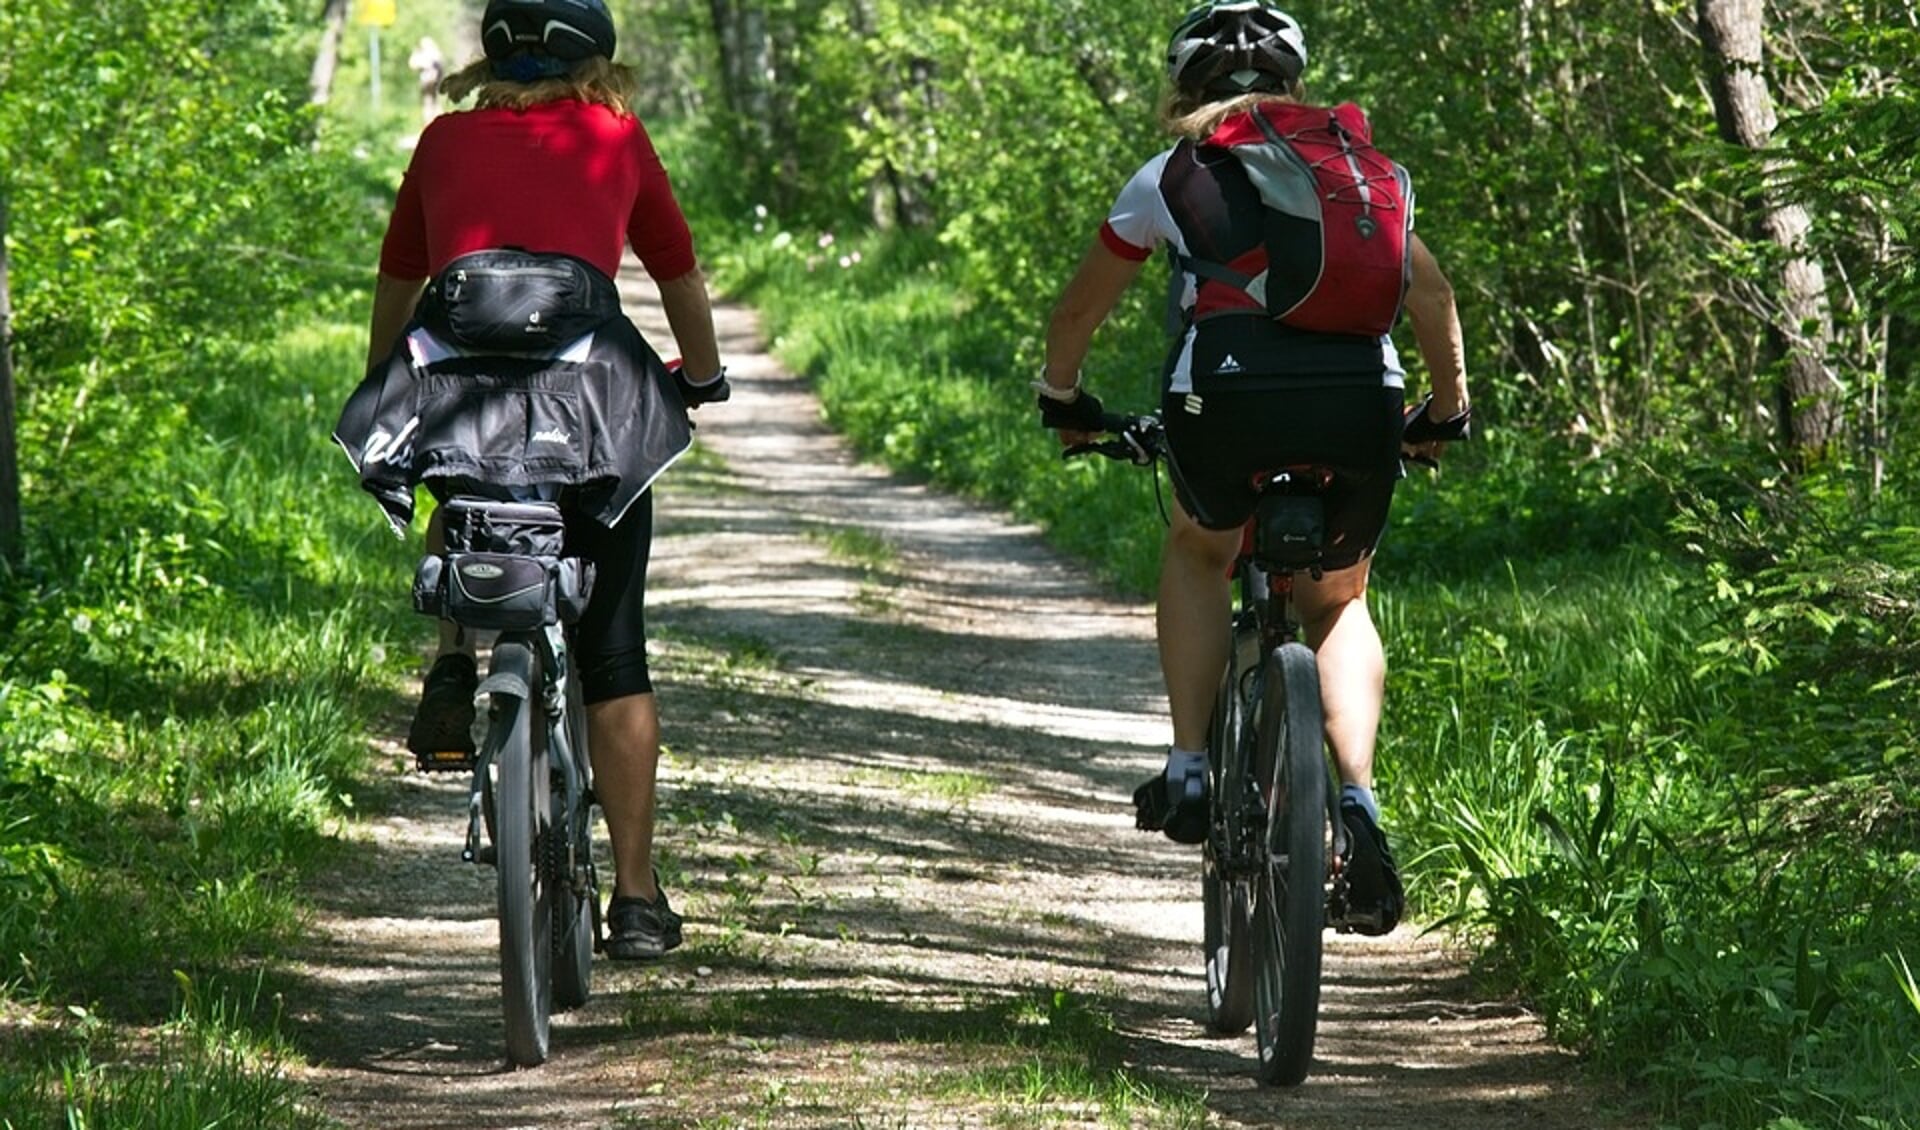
(1190, 115)
(596, 81)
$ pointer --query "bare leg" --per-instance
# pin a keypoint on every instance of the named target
(1196, 600)
(1353, 665)
(623, 739)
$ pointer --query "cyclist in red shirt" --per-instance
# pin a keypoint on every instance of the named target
(1246, 393)
(553, 160)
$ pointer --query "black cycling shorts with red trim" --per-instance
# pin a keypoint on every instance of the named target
(610, 641)
(1221, 436)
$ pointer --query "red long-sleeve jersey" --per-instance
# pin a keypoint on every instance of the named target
(562, 176)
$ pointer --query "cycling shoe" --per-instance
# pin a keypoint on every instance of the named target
(1175, 807)
(1375, 898)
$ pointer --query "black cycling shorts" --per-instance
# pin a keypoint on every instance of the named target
(610, 641)
(1217, 441)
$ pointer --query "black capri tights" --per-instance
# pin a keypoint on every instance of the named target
(610, 641)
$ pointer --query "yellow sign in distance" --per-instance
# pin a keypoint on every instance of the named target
(377, 13)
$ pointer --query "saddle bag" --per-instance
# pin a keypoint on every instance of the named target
(514, 301)
(1289, 531)
(504, 568)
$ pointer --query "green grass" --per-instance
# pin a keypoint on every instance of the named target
(195, 657)
(860, 548)
(1610, 819)
(1031, 1052)
(218, 1061)
(957, 789)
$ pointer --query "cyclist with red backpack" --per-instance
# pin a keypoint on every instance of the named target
(1293, 249)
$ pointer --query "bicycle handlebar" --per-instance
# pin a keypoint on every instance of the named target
(1142, 440)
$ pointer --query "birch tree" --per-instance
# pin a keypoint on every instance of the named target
(1732, 34)
(333, 17)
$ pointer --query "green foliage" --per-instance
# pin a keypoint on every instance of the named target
(1683, 865)
(180, 713)
(189, 653)
(948, 118)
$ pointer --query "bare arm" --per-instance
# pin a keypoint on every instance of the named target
(393, 302)
(690, 315)
(1436, 329)
(1089, 297)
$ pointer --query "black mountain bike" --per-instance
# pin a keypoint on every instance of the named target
(1270, 871)
(531, 809)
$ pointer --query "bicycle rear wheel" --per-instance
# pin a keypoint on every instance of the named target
(571, 873)
(1227, 943)
(522, 819)
(1289, 897)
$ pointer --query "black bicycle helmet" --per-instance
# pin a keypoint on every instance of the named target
(1231, 47)
(567, 30)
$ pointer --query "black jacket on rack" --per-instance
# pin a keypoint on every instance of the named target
(498, 426)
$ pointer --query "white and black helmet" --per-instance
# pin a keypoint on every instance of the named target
(568, 30)
(1230, 47)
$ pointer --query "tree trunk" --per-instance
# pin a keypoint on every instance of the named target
(327, 60)
(1732, 32)
(9, 462)
(748, 58)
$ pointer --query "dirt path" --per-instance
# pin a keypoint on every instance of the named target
(902, 736)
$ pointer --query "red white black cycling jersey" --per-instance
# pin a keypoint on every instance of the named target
(1198, 200)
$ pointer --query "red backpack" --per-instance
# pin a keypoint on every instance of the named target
(1339, 219)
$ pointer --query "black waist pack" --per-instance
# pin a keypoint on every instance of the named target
(514, 301)
(503, 568)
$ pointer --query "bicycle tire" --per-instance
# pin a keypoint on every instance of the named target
(1227, 935)
(573, 925)
(1289, 901)
(521, 820)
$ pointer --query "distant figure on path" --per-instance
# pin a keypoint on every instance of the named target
(427, 62)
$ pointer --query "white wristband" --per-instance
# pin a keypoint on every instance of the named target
(1055, 393)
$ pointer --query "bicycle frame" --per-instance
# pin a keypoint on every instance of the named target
(1271, 869)
(529, 809)
(1262, 622)
(1264, 615)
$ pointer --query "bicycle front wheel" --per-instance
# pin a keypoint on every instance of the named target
(522, 824)
(1289, 897)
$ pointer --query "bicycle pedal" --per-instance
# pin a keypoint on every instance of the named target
(445, 761)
